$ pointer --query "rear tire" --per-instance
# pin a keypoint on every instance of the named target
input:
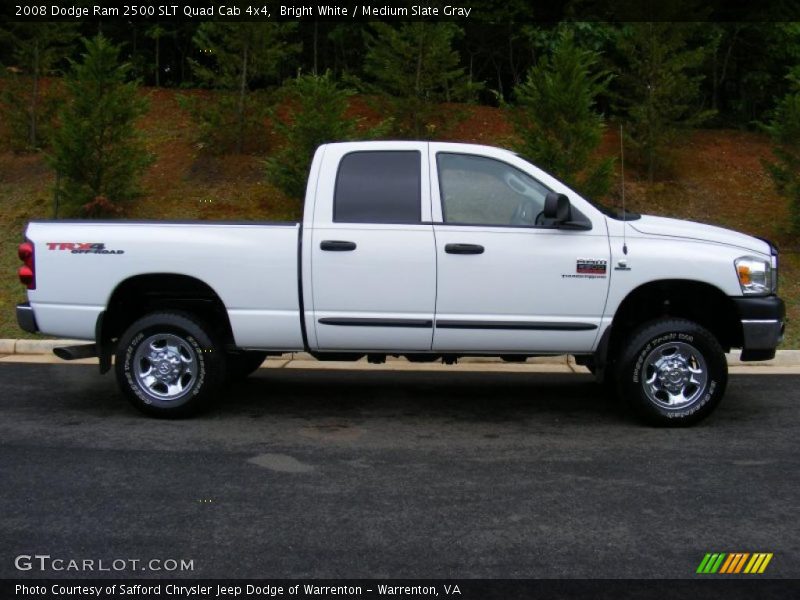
(243, 364)
(168, 365)
(672, 372)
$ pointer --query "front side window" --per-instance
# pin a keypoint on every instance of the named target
(476, 190)
(378, 187)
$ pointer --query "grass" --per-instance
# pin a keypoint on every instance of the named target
(21, 201)
(716, 178)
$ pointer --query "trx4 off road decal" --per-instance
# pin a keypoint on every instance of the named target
(82, 248)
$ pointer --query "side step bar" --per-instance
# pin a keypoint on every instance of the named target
(76, 352)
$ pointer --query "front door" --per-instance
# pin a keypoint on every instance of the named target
(506, 285)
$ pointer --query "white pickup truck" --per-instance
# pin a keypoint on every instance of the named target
(431, 251)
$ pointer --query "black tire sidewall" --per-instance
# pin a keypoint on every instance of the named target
(209, 360)
(648, 337)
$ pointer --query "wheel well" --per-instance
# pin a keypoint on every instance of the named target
(696, 301)
(142, 294)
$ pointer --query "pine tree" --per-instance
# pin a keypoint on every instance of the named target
(784, 129)
(155, 33)
(233, 56)
(97, 152)
(660, 87)
(414, 67)
(30, 107)
(317, 108)
(557, 123)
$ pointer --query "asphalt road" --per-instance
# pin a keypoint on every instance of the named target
(395, 474)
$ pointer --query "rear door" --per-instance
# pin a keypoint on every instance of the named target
(506, 285)
(373, 255)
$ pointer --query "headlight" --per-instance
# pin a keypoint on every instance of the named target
(755, 275)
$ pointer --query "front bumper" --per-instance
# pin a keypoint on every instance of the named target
(763, 324)
(26, 319)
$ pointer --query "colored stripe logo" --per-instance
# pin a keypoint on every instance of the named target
(733, 563)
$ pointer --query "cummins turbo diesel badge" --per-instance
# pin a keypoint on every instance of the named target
(82, 248)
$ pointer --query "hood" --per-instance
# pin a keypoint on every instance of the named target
(697, 231)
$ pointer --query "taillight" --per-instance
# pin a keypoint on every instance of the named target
(27, 272)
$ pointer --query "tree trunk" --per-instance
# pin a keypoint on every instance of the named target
(418, 77)
(178, 44)
(34, 97)
(714, 80)
(514, 74)
(725, 62)
(57, 195)
(242, 92)
(158, 61)
(499, 72)
(316, 34)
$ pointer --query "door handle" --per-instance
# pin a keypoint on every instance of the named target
(337, 246)
(463, 249)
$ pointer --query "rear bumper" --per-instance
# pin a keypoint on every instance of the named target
(26, 319)
(763, 324)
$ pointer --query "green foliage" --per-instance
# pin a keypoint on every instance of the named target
(317, 109)
(557, 123)
(345, 43)
(227, 122)
(748, 68)
(784, 129)
(27, 103)
(232, 57)
(589, 35)
(28, 109)
(155, 33)
(660, 87)
(414, 68)
(498, 45)
(97, 152)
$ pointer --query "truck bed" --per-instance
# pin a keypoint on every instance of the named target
(252, 267)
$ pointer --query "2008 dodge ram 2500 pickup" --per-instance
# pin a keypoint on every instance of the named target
(425, 250)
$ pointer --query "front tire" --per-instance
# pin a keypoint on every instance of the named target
(168, 365)
(672, 372)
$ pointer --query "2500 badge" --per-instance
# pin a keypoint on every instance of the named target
(82, 248)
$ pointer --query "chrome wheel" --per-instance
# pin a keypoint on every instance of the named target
(165, 367)
(674, 375)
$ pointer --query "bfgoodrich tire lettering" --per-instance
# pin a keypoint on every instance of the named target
(168, 365)
(672, 372)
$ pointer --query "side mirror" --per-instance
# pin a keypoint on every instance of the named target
(556, 209)
(557, 212)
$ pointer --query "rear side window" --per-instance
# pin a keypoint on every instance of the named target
(378, 187)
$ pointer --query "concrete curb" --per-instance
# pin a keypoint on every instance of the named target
(783, 359)
(38, 346)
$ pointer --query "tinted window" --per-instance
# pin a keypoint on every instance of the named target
(476, 190)
(378, 187)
